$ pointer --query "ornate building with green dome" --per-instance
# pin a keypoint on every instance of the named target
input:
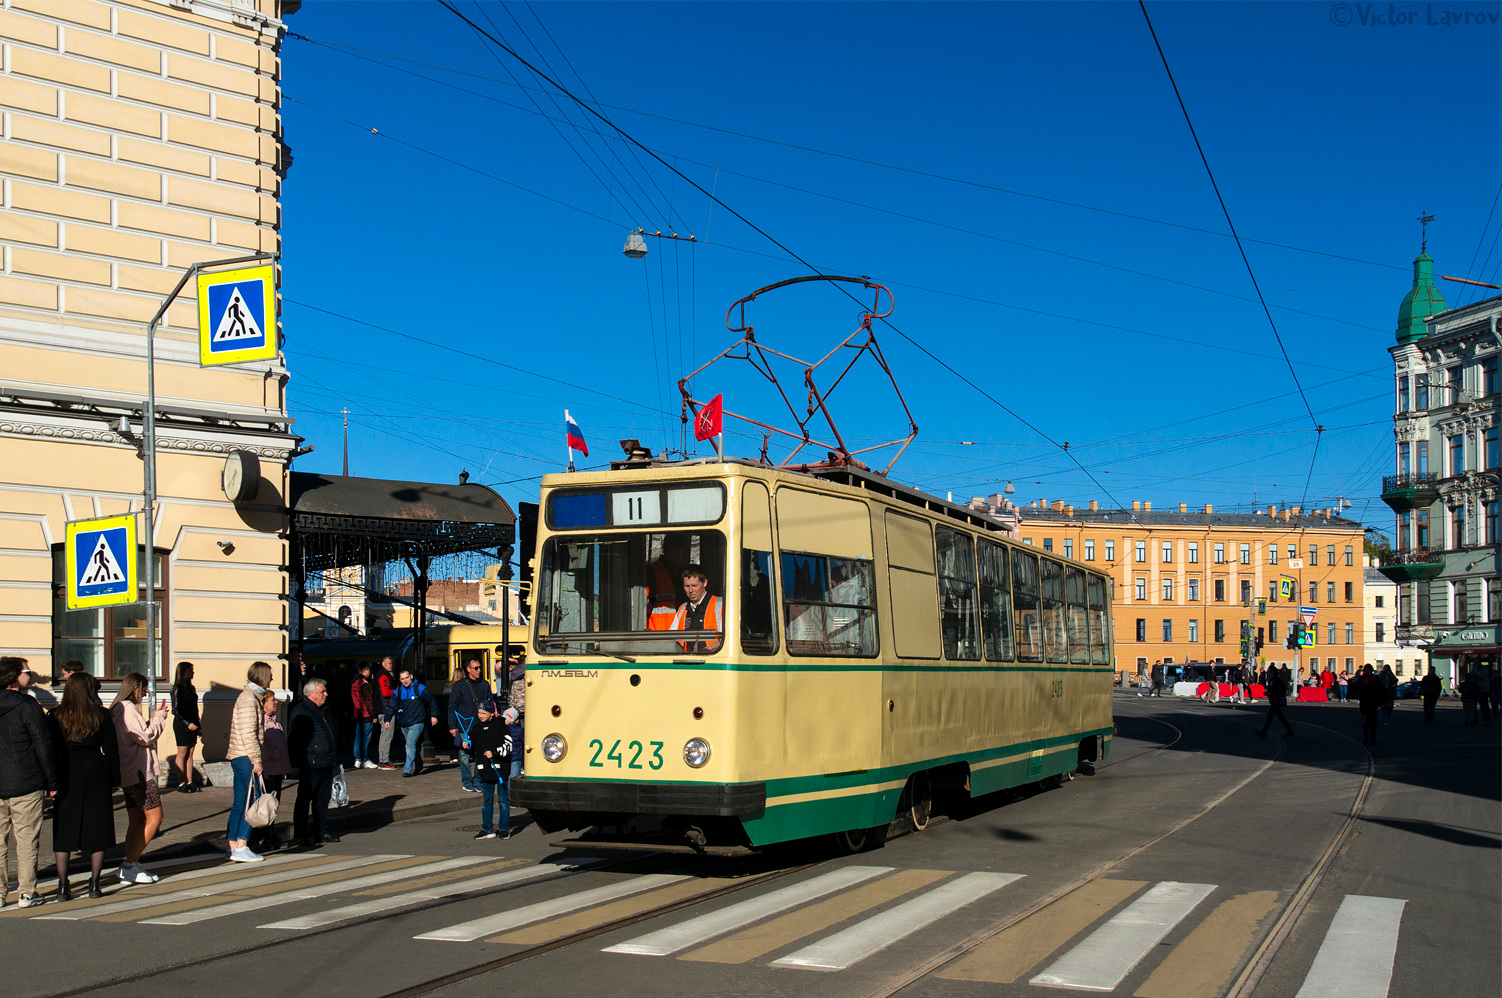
(1446, 488)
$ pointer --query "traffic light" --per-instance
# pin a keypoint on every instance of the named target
(1259, 641)
(1295, 636)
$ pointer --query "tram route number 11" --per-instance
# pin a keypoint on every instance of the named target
(634, 750)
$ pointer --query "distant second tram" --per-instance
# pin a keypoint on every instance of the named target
(866, 644)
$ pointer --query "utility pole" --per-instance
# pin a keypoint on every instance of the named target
(345, 411)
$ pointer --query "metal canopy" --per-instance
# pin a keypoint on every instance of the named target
(339, 521)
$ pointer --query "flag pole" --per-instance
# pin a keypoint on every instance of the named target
(566, 418)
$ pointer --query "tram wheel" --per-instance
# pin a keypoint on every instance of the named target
(919, 796)
(856, 840)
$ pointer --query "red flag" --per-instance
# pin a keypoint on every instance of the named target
(707, 423)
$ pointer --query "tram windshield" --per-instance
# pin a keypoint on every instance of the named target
(623, 594)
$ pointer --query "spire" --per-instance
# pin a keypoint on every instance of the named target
(1422, 300)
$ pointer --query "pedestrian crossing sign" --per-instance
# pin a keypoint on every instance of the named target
(1286, 587)
(101, 562)
(237, 316)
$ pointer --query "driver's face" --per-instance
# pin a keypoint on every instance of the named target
(694, 588)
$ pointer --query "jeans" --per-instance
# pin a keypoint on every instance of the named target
(384, 753)
(517, 733)
(411, 736)
(493, 793)
(467, 776)
(244, 770)
(313, 789)
(362, 741)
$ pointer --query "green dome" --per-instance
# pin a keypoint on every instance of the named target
(1421, 301)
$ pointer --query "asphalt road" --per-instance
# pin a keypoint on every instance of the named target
(1200, 860)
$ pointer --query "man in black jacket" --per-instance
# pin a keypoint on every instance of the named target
(1277, 695)
(28, 774)
(468, 695)
(313, 746)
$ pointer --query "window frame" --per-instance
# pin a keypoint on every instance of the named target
(162, 596)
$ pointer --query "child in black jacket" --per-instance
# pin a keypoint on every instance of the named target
(492, 753)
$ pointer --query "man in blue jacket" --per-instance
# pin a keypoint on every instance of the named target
(468, 695)
(411, 706)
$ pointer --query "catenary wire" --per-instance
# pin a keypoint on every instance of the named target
(1485, 228)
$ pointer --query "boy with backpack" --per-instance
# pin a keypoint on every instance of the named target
(491, 739)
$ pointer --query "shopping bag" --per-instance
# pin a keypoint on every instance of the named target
(339, 796)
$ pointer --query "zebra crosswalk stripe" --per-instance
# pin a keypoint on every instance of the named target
(696, 930)
(880, 931)
(477, 928)
(152, 900)
(1109, 953)
(1355, 960)
(364, 909)
(308, 893)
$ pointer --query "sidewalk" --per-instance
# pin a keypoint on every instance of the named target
(195, 823)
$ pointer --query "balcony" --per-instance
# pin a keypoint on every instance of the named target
(1414, 490)
(1413, 565)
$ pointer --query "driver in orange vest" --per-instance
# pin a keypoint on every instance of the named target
(701, 612)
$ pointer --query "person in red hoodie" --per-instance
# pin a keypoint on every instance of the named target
(362, 701)
(385, 689)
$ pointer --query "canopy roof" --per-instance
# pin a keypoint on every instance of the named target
(338, 520)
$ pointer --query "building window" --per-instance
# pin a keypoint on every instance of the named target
(1492, 535)
(1350, 592)
(1378, 604)
(1220, 590)
(1220, 630)
(1330, 636)
(1194, 630)
(1329, 592)
(1246, 592)
(1167, 630)
(1350, 633)
(1048, 544)
(1421, 391)
(1381, 632)
(1421, 603)
(1141, 590)
(1398, 668)
(1272, 592)
(1272, 554)
(1493, 600)
(1453, 381)
(1403, 393)
(1350, 555)
(1194, 552)
(1272, 631)
(1457, 454)
(1489, 448)
(1194, 590)
(1246, 554)
(110, 640)
(1314, 592)
(1142, 551)
(1313, 555)
(1141, 628)
(1403, 454)
(1457, 527)
(1421, 457)
(1028, 541)
(1168, 590)
(1293, 553)
(1329, 554)
(1167, 552)
(1220, 552)
(1490, 385)
(1068, 548)
(1110, 550)
(1089, 550)
(1421, 528)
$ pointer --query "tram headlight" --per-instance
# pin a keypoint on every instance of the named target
(554, 748)
(696, 752)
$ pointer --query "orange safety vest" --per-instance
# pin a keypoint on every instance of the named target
(661, 614)
(711, 618)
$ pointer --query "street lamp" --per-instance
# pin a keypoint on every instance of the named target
(636, 246)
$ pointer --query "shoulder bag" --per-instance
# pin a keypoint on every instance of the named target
(260, 810)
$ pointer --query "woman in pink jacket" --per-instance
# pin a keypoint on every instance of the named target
(138, 773)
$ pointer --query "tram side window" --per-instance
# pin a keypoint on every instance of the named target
(995, 601)
(1025, 601)
(1055, 647)
(1079, 639)
(758, 606)
(829, 605)
(956, 558)
(1100, 620)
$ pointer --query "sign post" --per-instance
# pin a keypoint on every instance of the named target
(238, 351)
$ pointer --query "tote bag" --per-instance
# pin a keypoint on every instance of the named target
(260, 811)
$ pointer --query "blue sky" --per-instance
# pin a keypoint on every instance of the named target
(1019, 175)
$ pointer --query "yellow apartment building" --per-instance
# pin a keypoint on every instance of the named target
(1186, 581)
(139, 137)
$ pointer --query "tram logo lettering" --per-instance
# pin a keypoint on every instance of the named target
(571, 674)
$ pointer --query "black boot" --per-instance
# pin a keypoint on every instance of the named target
(64, 890)
(95, 890)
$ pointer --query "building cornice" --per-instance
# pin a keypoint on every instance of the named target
(271, 446)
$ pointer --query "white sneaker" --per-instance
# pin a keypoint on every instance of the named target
(30, 900)
(133, 873)
(371, 765)
(244, 855)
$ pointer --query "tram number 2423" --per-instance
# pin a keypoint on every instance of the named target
(634, 749)
(1056, 689)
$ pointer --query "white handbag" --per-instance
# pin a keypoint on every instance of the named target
(260, 811)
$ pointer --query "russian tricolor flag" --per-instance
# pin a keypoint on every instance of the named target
(575, 435)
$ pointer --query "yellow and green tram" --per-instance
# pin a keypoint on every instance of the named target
(869, 643)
